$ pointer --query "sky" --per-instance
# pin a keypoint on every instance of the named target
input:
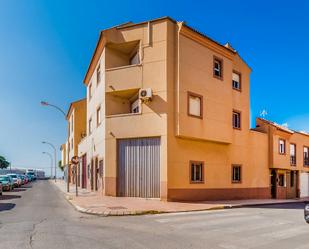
(46, 46)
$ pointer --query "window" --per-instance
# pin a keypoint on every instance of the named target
(236, 173)
(72, 123)
(218, 68)
(281, 180)
(293, 154)
(306, 156)
(69, 128)
(195, 105)
(196, 172)
(135, 106)
(90, 91)
(72, 145)
(292, 179)
(134, 59)
(90, 126)
(236, 120)
(236, 81)
(99, 116)
(88, 169)
(281, 146)
(99, 74)
(101, 168)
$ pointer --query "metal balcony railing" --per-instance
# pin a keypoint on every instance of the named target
(293, 160)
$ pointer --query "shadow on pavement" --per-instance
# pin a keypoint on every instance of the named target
(6, 206)
(300, 205)
(9, 197)
(18, 190)
(27, 186)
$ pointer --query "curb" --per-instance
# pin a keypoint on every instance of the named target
(153, 212)
(135, 213)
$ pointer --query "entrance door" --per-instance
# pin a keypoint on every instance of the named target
(304, 184)
(273, 181)
(139, 167)
(84, 171)
(92, 174)
(96, 178)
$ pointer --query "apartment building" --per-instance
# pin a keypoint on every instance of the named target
(168, 117)
(288, 160)
(76, 117)
(64, 157)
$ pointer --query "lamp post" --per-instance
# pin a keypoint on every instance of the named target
(55, 156)
(45, 103)
(51, 162)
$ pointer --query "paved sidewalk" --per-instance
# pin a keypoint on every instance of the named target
(94, 203)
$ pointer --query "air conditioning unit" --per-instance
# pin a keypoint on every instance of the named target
(145, 94)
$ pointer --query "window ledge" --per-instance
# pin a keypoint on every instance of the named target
(122, 67)
(122, 115)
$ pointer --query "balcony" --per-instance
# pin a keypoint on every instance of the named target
(293, 160)
(123, 69)
(122, 78)
(121, 103)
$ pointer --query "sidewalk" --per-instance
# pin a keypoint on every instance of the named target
(93, 203)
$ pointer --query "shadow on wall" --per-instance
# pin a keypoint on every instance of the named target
(158, 105)
(6, 206)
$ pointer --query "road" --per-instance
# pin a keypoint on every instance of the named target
(38, 216)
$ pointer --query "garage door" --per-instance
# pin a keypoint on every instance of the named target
(304, 185)
(139, 167)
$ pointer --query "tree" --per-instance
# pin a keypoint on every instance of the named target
(60, 165)
(3, 163)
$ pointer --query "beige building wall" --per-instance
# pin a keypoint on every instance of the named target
(76, 118)
(212, 139)
(93, 145)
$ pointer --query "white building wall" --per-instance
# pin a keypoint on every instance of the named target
(94, 144)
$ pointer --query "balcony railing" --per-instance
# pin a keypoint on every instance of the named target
(293, 160)
(123, 78)
(306, 161)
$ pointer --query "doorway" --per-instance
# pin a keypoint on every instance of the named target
(84, 171)
(273, 181)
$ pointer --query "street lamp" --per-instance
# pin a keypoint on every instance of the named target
(51, 162)
(45, 103)
(55, 156)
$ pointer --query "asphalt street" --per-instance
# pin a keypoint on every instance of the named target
(38, 216)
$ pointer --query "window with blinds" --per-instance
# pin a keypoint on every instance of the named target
(236, 81)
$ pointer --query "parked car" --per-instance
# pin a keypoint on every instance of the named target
(7, 182)
(22, 178)
(26, 179)
(31, 175)
(16, 180)
(1, 188)
(306, 213)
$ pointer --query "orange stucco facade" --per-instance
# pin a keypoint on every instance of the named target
(176, 62)
(76, 118)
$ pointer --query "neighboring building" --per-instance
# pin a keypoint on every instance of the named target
(167, 115)
(76, 118)
(288, 160)
(64, 157)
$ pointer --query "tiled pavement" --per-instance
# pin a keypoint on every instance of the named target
(95, 203)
